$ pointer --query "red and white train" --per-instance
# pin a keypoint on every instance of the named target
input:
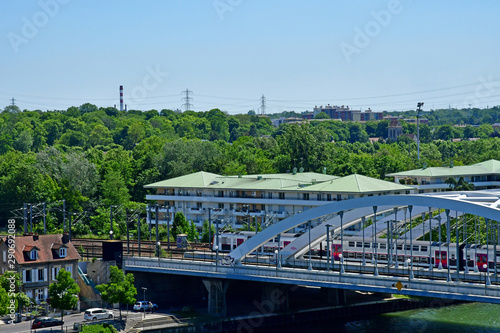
(421, 253)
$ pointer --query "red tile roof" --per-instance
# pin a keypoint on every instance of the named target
(47, 245)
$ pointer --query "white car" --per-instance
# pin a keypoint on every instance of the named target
(97, 313)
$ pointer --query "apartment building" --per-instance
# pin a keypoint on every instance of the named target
(484, 175)
(265, 199)
(38, 259)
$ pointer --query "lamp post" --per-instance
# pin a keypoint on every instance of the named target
(487, 281)
(419, 114)
(310, 263)
(277, 260)
(111, 234)
(144, 289)
(279, 251)
(328, 247)
(158, 249)
(216, 257)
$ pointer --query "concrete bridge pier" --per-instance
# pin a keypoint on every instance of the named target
(216, 296)
(334, 296)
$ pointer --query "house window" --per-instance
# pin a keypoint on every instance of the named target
(282, 195)
(339, 197)
(305, 196)
(39, 294)
(199, 205)
(62, 252)
(270, 195)
(221, 206)
(33, 254)
(318, 197)
(41, 275)
(28, 275)
(328, 197)
(70, 269)
(55, 271)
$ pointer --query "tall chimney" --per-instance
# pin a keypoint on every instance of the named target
(121, 98)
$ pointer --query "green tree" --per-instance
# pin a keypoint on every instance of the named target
(322, 115)
(206, 233)
(63, 293)
(180, 225)
(120, 288)
(192, 233)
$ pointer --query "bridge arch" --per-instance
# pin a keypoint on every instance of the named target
(452, 201)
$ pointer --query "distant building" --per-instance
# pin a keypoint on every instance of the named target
(394, 130)
(346, 114)
(484, 175)
(265, 198)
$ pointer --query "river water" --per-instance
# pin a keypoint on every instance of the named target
(467, 317)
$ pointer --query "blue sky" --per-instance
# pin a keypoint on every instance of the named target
(386, 55)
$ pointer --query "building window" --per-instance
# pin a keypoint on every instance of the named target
(270, 195)
(39, 294)
(221, 206)
(318, 197)
(328, 197)
(339, 197)
(305, 196)
(41, 275)
(28, 275)
(282, 195)
(4, 256)
(199, 205)
(33, 254)
(55, 271)
(62, 252)
(70, 270)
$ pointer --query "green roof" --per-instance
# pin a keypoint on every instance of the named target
(192, 180)
(486, 167)
(357, 184)
(302, 177)
(310, 182)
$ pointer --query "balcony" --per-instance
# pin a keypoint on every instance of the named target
(196, 210)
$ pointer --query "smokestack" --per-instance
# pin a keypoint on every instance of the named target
(121, 98)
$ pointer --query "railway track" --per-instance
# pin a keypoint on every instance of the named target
(90, 248)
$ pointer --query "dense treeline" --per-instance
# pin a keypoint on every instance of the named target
(97, 157)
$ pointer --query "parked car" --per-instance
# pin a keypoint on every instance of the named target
(97, 313)
(145, 306)
(42, 322)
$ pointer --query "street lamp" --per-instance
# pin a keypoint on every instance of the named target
(111, 234)
(158, 248)
(487, 280)
(341, 257)
(216, 257)
(144, 292)
(419, 114)
(277, 260)
(310, 263)
(328, 247)
(410, 270)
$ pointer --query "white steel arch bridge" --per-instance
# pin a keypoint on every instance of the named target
(480, 203)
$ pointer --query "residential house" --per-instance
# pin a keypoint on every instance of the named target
(38, 259)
